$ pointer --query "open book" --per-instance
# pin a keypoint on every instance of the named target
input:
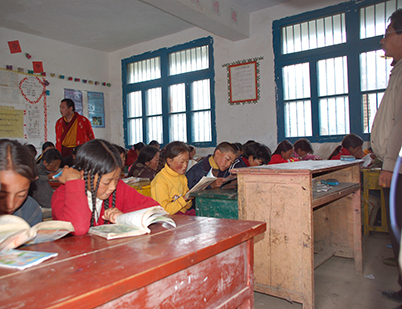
(15, 231)
(204, 182)
(133, 223)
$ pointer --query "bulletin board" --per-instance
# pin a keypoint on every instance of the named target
(23, 107)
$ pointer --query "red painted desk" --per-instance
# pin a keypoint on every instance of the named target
(204, 262)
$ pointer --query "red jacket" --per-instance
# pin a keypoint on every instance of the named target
(70, 203)
(342, 152)
(84, 131)
(277, 158)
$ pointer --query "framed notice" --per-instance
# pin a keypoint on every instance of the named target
(96, 109)
(243, 82)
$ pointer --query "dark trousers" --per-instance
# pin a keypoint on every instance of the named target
(398, 207)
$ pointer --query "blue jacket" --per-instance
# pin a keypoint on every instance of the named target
(202, 168)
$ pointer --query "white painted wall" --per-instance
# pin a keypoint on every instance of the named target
(61, 59)
(237, 123)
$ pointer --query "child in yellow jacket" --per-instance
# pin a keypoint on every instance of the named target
(169, 186)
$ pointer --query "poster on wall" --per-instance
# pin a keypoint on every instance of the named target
(96, 109)
(243, 82)
(76, 96)
(23, 107)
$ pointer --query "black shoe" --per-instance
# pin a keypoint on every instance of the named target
(395, 296)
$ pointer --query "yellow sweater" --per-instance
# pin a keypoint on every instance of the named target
(168, 188)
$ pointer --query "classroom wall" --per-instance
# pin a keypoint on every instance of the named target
(234, 123)
(61, 59)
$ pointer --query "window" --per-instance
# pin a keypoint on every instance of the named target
(168, 95)
(330, 70)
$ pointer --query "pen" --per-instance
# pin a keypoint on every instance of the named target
(59, 173)
(176, 197)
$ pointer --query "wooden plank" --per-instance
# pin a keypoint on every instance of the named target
(338, 192)
(323, 256)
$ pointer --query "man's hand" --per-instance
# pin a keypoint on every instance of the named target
(384, 180)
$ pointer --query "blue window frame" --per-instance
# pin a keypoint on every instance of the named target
(168, 95)
(330, 70)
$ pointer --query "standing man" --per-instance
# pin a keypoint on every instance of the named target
(72, 129)
(386, 134)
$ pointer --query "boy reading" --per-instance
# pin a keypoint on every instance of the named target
(223, 157)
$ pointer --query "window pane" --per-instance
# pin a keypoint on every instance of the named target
(319, 33)
(178, 128)
(134, 131)
(374, 70)
(154, 101)
(177, 98)
(296, 81)
(370, 102)
(200, 95)
(374, 18)
(332, 76)
(298, 119)
(201, 122)
(334, 116)
(144, 70)
(134, 104)
(189, 60)
(154, 126)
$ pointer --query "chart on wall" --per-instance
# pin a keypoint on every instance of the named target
(76, 96)
(96, 109)
(23, 107)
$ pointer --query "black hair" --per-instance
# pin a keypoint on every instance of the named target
(147, 154)
(396, 19)
(69, 103)
(350, 140)
(97, 157)
(238, 146)
(139, 146)
(173, 149)
(47, 145)
(121, 150)
(190, 147)
(248, 142)
(51, 155)
(154, 143)
(225, 147)
(304, 145)
(32, 149)
(257, 151)
(17, 158)
(284, 146)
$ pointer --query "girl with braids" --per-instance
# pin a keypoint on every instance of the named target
(17, 171)
(93, 192)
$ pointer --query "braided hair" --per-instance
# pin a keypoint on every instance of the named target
(97, 157)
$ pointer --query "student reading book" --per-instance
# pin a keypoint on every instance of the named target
(17, 171)
(169, 187)
(15, 231)
(133, 223)
(93, 192)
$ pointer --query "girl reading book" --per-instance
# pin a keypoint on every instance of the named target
(17, 171)
(93, 193)
(170, 185)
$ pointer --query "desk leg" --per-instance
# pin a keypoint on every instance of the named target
(357, 234)
(365, 206)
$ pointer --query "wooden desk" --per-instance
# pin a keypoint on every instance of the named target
(216, 203)
(301, 222)
(204, 262)
(370, 182)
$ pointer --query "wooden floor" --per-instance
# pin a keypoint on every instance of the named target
(337, 285)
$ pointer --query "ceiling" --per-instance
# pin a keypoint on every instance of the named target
(104, 25)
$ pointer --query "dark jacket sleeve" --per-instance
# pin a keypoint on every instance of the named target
(195, 173)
